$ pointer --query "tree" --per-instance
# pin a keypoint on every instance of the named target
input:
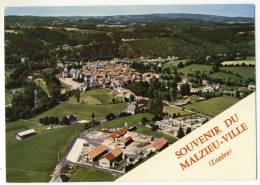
(77, 95)
(180, 65)
(180, 132)
(154, 127)
(237, 94)
(93, 117)
(110, 116)
(215, 67)
(65, 121)
(188, 130)
(185, 89)
(144, 120)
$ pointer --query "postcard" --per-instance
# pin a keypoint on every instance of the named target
(130, 93)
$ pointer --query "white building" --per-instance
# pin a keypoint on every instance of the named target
(25, 134)
(75, 151)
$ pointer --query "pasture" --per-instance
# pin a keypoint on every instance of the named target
(245, 72)
(174, 63)
(213, 106)
(195, 67)
(82, 111)
(171, 110)
(33, 159)
(91, 175)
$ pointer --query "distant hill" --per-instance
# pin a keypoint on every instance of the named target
(124, 19)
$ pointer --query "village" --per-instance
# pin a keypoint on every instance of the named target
(91, 97)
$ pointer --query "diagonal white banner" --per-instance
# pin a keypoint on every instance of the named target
(222, 149)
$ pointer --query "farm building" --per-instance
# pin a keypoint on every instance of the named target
(126, 141)
(96, 153)
(110, 159)
(251, 87)
(75, 152)
(25, 134)
(159, 144)
(115, 135)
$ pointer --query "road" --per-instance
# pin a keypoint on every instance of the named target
(70, 82)
(188, 110)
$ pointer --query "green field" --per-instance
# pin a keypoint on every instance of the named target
(96, 96)
(103, 95)
(195, 67)
(134, 121)
(171, 110)
(33, 159)
(82, 111)
(213, 106)
(239, 74)
(225, 77)
(244, 72)
(85, 99)
(91, 175)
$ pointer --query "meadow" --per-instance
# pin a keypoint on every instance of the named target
(213, 106)
(91, 175)
(33, 159)
(174, 63)
(195, 67)
(245, 72)
(82, 111)
(171, 110)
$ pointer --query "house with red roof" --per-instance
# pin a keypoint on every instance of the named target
(111, 158)
(95, 154)
(159, 144)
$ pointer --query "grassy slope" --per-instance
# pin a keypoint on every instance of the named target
(172, 110)
(85, 99)
(195, 67)
(83, 111)
(102, 95)
(91, 175)
(224, 76)
(212, 106)
(33, 159)
(245, 72)
(134, 121)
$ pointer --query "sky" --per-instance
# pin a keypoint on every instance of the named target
(235, 10)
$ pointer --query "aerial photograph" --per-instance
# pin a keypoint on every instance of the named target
(91, 92)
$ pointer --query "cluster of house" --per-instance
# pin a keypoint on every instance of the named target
(106, 74)
(171, 126)
(204, 87)
(114, 149)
